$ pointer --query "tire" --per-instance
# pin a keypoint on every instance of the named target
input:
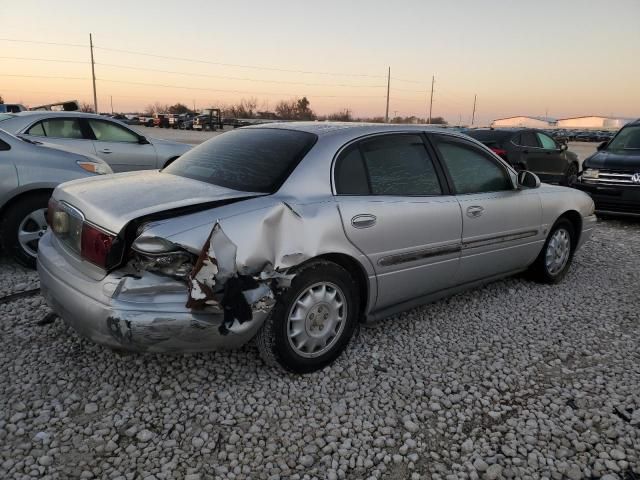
(311, 303)
(28, 215)
(554, 270)
(571, 175)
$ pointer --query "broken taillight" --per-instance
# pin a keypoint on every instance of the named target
(95, 245)
(500, 152)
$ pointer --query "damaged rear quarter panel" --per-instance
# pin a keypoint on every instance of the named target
(267, 236)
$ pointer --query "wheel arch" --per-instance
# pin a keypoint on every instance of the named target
(576, 221)
(355, 269)
(26, 193)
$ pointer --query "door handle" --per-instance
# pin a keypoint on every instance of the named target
(475, 211)
(363, 221)
(105, 150)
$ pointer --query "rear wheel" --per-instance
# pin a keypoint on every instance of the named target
(24, 223)
(312, 321)
(555, 258)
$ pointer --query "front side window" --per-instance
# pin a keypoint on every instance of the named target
(57, 128)
(249, 160)
(471, 170)
(546, 141)
(529, 139)
(110, 132)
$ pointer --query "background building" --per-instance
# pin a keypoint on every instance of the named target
(524, 121)
(593, 122)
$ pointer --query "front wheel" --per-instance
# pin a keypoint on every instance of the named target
(555, 258)
(312, 321)
(24, 223)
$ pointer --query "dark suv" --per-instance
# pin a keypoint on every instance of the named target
(533, 150)
(612, 175)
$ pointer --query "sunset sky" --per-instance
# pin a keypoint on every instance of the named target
(562, 57)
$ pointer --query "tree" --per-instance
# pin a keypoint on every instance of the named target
(438, 121)
(86, 108)
(179, 109)
(343, 115)
(1, 100)
(295, 109)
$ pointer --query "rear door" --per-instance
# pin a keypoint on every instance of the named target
(552, 161)
(121, 147)
(68, 132)
(396, 209)
(501, 225)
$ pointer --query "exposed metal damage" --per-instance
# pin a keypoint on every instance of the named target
(218, 281)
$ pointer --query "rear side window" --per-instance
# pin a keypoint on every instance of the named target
(110, 132)
(546, 141)
(4, 146)
(397, 165)
(516, 140)
(57, 128)
(249, 160)
(529, 139)
(471, 170)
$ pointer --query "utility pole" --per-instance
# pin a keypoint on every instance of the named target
(433, 79)
(473, 115)
(111, 96)
(459, 119)
(93, 75)
(386, 115)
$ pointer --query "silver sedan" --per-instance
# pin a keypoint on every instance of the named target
(28, 174)
(123, 148)
(293, 234)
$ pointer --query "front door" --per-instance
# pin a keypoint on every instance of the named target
(121, 148)
(396, 209)
(501, 225)
(552, 161)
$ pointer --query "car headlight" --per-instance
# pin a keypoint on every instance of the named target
(591, 173)
(94, 167)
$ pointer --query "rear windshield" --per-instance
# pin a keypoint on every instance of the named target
(249, 160)
(627, 139)
(5, 116)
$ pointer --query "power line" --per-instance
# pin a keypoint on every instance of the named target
(190, 74)
(84, 62)
(43, 76)
(42, 43)
(234, 91)
(255, 67)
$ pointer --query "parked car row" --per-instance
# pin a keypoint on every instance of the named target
(567, 135)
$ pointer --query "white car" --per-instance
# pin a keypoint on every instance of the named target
(123, 148)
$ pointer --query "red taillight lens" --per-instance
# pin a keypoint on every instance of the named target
(500, 151)
(95, 245)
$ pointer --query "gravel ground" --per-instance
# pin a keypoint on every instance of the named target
(514, 380)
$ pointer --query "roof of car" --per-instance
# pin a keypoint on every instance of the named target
(322, 129)
(45, 113)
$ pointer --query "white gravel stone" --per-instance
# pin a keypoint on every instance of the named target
(476, 386)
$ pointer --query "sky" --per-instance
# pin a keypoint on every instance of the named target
(558, 58)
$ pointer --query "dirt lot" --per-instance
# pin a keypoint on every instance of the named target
(513, 380)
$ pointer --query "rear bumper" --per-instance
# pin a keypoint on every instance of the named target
(146, 314)
(613, 199)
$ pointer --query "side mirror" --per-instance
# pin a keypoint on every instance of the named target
(528, 179)
(564, 147)
(602, 146)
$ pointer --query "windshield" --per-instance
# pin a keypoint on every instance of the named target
(249, 160)
(627, 139)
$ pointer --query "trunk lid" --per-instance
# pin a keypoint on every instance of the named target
(112, 201)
